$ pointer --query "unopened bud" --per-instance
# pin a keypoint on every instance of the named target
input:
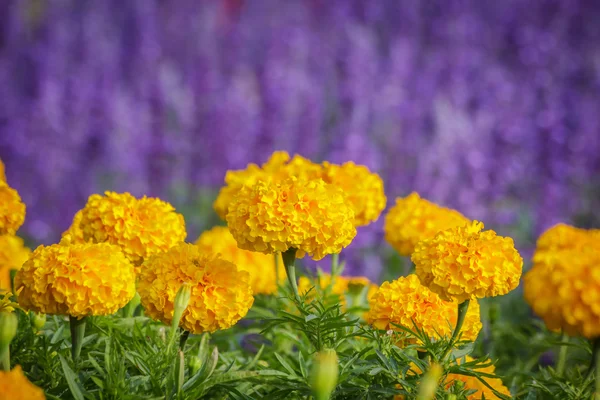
(8, 328)
(429, 383)
(182, 299)
(324, 374)
(195, 363)
(37, 321)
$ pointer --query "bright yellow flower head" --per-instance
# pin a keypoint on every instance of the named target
(311, 216)
(220, 293)
(140, 227)
(77, 280)
(15, 386)
(363, 188)
(13, 253)
(413, 219)
(261, 267)
(464, 263)
(12, 210)
(405, 300)
(563, 237)
(279, 167)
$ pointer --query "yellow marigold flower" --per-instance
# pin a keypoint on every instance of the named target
(2, 173)
(564, 290)
(405, 300)
(563, 237)
(413, 219)
(140, 227)
(12, 210)
(15, 386)
(13, 253)
(220, 293)
(311, 216)
(261, 267)
(75, 232)
(339, 287)
(76, 280)
(464, 263)
(279, 167)
(363, 188)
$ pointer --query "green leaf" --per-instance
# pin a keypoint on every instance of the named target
(285, 364)
(76, 390)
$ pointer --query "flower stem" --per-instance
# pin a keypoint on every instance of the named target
(276, 255)
(562, 355)
(184, 337)
(5, 359)
(130, 307)
(289, 261)
(462, 313)
(77, 335)
(335, 265)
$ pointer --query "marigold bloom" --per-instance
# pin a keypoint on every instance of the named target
(75, 232)
(311, 216)
(261, 267)
(13, 253)
(140, 227)
(464, 263)
(15, 386)
(77, 280)
(279, 167)
(363, 188)
(405, 300)
(413, 219)
(562, 237)
(12, 210)
(220, 293)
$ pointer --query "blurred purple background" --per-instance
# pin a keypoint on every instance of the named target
(489, 107)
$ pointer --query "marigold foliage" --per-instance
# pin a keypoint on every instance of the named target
(13, 253)
(12, 210)
(473, 383)
(279, 167)
(218, 241)
(363, 188)
(140, 227)
(464, 263)
(405, 300)
(77, 280)
(311, 216)
(220, 293)
(413, 219)
(15, 386)
(342, 286)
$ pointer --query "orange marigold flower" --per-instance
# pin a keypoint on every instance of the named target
(413, 219)
(261, 267)
(14, 385)
(12, 210)
(140, 227)
(13, 253)
(464, 263)
(279, 167)
(76, 280)
(220, 293)
(405, 300)
(363, 188)
(563, 237)
(311, 216)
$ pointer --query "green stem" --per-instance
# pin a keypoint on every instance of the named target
(335, 265)
(462, 313)
(5, 358)
(289, 261)
(130, 307)
(597, 358)
(183, 339)
(594, 360)
(562, 355)
(276, 255)
(77, 335)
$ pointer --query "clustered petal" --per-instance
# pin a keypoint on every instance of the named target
(405, 301)
(464, 263)
(12, 210)
(77, 280)
(311, 216)
(363, 188)
(140, 227)
(15, 385)
(13, 253)
(263, 277)
(220, 293)
(563, 286)
(413, 219)
(75, 232)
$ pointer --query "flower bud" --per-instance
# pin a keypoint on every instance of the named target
(8, 328)
(195, 363)
(182, 299)
(38, 320)
(324, 374)
(429, 384)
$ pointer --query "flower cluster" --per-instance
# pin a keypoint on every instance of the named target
(413, 219)
(12, 210)
(261, 267)
(562, 286)
(405, 301)
(464, 263)
(140, 227)
(76, 279)
(310, 216)
(363, 188)
(13, 253)
(15, 385)
(220, 293)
